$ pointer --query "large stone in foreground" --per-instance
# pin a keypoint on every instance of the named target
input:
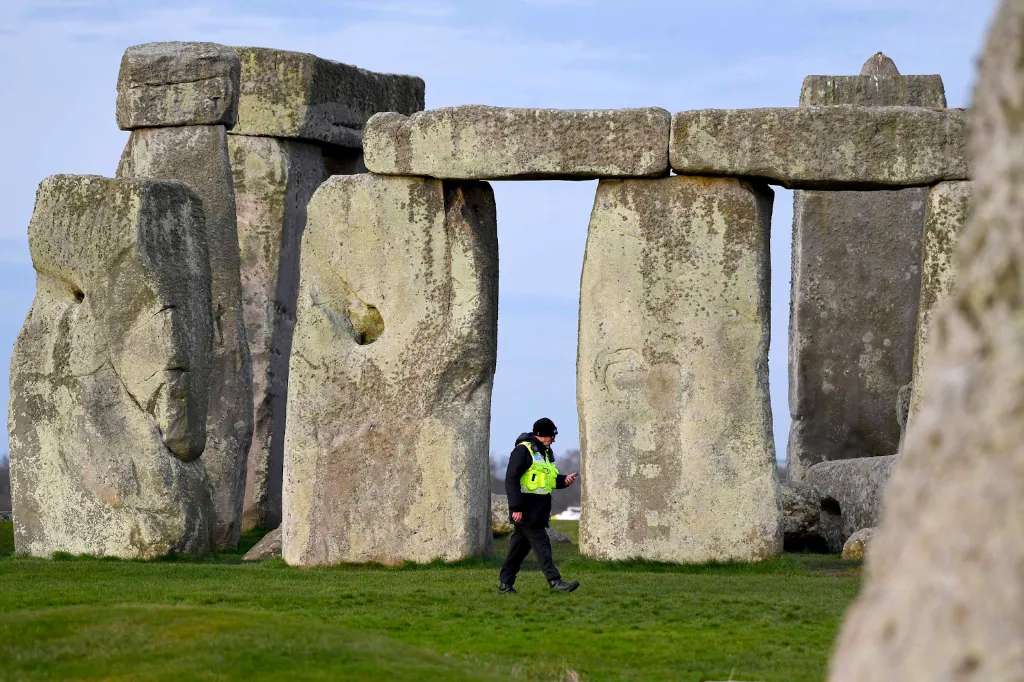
(109, 373)
(827, 147)
(173, 84)
(944, 581)
(274, 179)
(946, 215)
(198, 156)
(482, 143)
(672, 373)
(298, 95)
(386, 450)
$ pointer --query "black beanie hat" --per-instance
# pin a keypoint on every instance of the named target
(544, 427)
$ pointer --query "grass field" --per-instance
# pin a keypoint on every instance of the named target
(78, 618)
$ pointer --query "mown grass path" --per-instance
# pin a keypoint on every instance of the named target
(76, 618)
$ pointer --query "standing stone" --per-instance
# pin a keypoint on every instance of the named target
(945, 217)
(672, 373)
(109, 373)
(944, 581)
(274, 179)
(173, 84)
(386, 450)
(198, 156)
(855, 287)
(301, 96)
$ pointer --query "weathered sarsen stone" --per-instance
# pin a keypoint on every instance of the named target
(944, 586)
(879, 84)
(386, 455)
(274, 179)
(481, 142)
(851, 491)
(672, 373)
(109, 373)
(823, 147)
(301, 96)
(945, 217)
(198, 156)
(172, 84)
(855, 285)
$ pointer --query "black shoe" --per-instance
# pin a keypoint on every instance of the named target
(562, 586)
(506, 589)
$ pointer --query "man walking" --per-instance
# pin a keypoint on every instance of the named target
(529, 480)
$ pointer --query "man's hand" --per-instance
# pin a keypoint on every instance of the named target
(571, 478)
(517, 517)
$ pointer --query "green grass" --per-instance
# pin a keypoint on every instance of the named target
(218, 618)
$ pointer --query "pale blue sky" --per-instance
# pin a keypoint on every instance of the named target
(60, 60)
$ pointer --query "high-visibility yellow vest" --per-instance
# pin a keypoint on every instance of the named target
(541, 477)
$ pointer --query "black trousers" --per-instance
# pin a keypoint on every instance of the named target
(522, 541)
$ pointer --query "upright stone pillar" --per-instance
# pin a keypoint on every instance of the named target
(945, 573)
(672, 373)
(945, 218)
(193, 149)
(109, 373)
(856, 277)
(300, 120)
(386, 450)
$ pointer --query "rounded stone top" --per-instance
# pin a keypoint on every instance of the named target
(879, 64)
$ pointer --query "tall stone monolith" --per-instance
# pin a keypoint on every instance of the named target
(945, 217)
(109, 374)
(672, 373)
(386, 447)
(198, 156)
(945, 573)
(300, 121)
(855, 284)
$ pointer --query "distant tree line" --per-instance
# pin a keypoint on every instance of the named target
(567, 462)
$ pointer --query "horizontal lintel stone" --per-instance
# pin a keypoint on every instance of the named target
(827, 147)
(491, 143)
(177, 84)
(302, 96)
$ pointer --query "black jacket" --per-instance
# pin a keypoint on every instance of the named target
(536, 508)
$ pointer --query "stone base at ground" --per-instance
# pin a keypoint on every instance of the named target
(109, 374)
(269, 547)
(386, 451)
(672, 373)
(851, 491)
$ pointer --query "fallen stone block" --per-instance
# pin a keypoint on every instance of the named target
(480, 142)
(943, 590)
(827, 147)
(386, 451)
(851, 492)
(109, 375)
(672, 373)
(269, 547)
(946, 215)
(801, 518)
(856, 547)
(301, 96)
(175, 84)
(198, 157)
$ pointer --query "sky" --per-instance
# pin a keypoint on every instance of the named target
(60, 62)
